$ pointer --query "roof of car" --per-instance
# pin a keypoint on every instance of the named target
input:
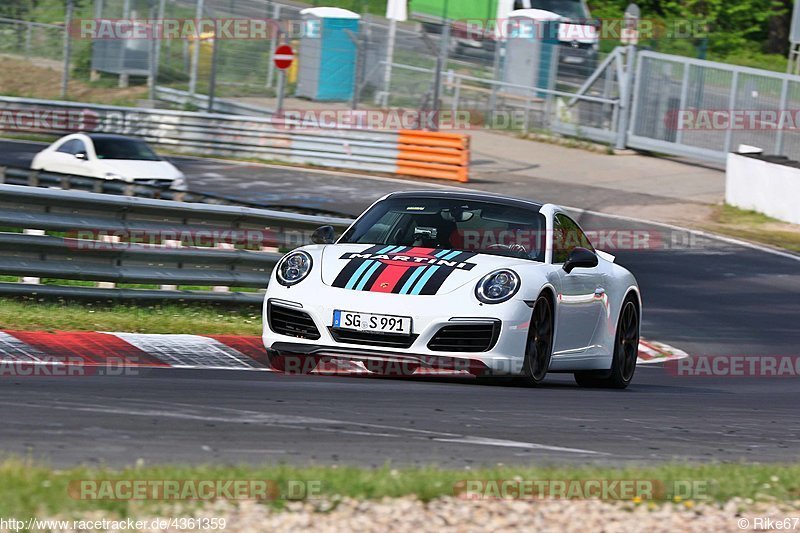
(467, 195)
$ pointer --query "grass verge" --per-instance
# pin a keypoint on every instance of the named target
(754, 226)
(29, 489)
(191, 318)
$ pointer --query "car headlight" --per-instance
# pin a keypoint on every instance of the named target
(179, 183)
(497, 286)
(293, 268)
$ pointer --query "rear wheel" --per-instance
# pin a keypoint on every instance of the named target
(626, 352)
(540, 343)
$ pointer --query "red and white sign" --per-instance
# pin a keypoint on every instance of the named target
(284, 57)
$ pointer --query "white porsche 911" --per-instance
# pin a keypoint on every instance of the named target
(460, 281)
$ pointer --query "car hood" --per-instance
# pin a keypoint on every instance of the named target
(406, 269)
(138, 170)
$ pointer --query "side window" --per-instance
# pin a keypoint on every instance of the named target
(567, 236)
(69, 147)
(72, 147)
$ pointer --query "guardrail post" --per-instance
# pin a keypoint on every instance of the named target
(113, 239)
(28, 32)
(222, 246)
(32, 279)
(171, 243)
(456, 96)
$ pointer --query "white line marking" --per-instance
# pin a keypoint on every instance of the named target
(515, 444)
(167, 410)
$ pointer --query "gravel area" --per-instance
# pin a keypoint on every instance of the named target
(452, 514)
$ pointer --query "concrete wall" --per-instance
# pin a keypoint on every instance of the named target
(765, 187)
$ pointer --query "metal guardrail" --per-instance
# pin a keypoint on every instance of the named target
(284, 140)
(117, 239)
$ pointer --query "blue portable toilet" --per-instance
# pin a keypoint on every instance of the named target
(328, 54)
(532, 37)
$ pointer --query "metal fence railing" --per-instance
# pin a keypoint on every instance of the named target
(704, 109)
(434, 64)
(83, 244)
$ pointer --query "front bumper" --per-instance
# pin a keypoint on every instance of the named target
(505, 357)
(300, 358)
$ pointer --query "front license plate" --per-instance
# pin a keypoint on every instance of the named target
(400, 325)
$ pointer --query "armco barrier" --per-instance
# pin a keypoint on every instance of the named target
(408, 153)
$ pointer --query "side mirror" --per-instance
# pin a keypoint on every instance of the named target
(323, 235)
(580, 258)
(81, 155)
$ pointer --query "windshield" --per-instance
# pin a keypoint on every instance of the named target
(123, 149)
(572, 9)
(453, 224)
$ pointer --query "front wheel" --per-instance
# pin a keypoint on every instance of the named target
(540, 343)
(626, 352)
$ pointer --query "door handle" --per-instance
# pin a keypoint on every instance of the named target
(599, 291)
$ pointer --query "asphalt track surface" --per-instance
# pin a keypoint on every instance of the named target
(709, 298)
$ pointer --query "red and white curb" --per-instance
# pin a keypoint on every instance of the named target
(217, 352)
(657, 352)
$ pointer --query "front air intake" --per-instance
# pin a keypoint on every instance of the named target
(291, 322)
(465, 337)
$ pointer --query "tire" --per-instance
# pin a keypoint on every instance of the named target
(539, 348)
(626, 352)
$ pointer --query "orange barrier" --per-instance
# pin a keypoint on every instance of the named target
(431, 154)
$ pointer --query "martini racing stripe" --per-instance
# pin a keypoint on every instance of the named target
(391, 276)
(387, 278)
(353, 266)
(423, 274)
(434, 280)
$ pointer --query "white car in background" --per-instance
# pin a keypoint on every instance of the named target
(111, 157)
